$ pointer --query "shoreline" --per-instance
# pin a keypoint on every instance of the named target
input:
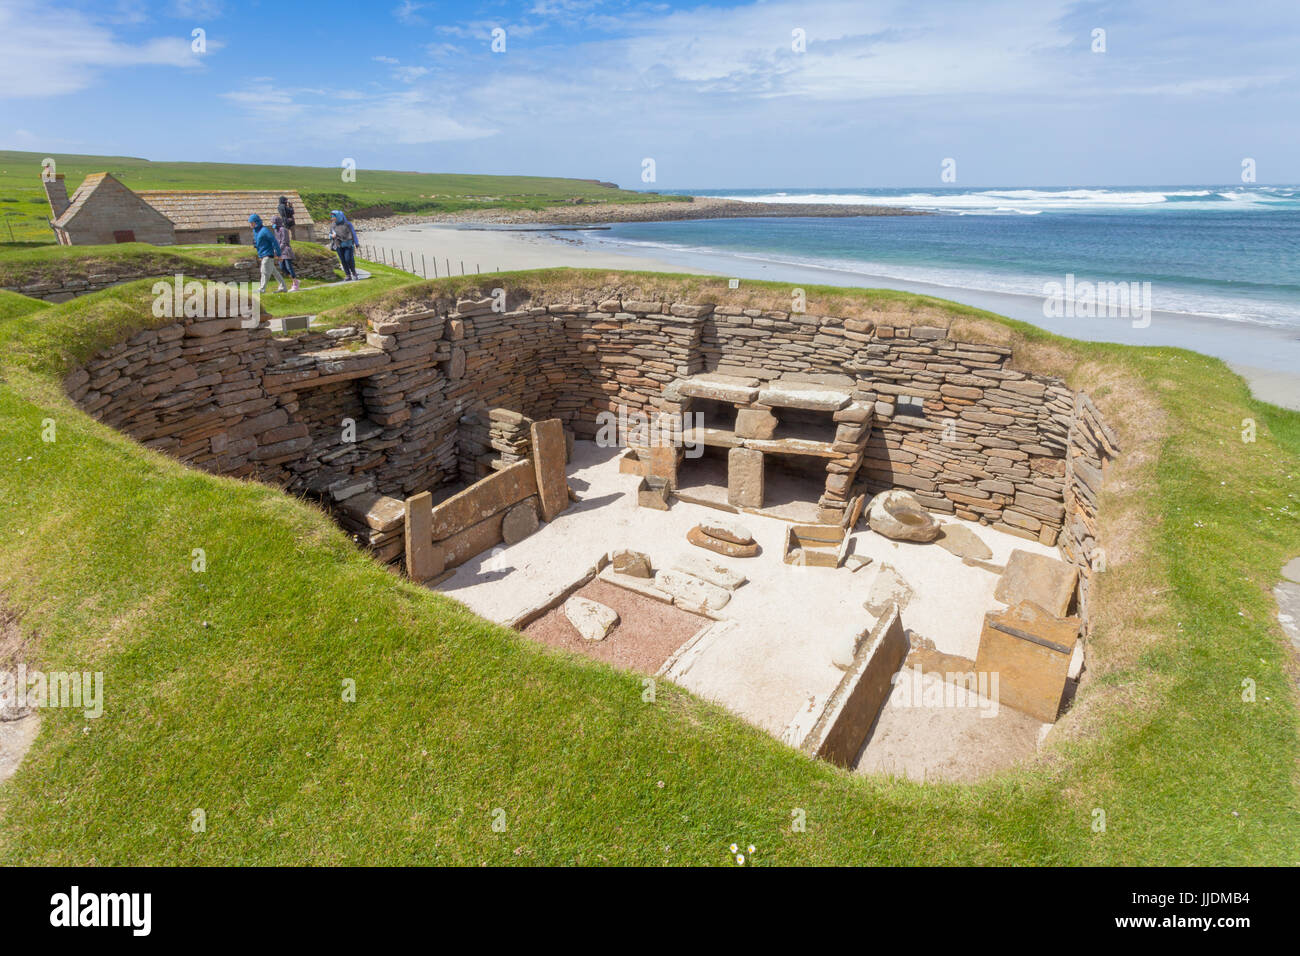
(1267, 358)
(689, 207)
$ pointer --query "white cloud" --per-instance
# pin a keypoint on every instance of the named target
(349, 119)
(49, 52)
(408, 11)
(196, 9)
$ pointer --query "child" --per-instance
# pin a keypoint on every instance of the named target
(268, 250)
(343, 240)
(286, 250)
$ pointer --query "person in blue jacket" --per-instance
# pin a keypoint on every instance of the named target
(343, 240)
(268, 251)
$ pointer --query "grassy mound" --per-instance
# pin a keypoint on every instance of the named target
(13, 304)
(225, 688)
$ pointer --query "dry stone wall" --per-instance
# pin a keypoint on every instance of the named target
(1092, 445)
(447, 390)
(243, 270)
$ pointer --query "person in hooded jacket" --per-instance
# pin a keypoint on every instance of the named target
(286, 250)
(285, 211)
(343, 240)
(268, 250)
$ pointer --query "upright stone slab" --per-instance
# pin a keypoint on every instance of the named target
(423, 560)
(745, 478)
(663, 464)
(548, 460)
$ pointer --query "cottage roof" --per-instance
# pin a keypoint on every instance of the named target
(88, 186)
(222, 208)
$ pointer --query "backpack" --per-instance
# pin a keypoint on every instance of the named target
(286, 212)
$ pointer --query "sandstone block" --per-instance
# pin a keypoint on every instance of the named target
(755, 423)
(900, 515)
(692, 593)
(1044, 581)
(591, 619)
(745, 478)
(727, 530)
(701, 539)
(520, 521)
(963, 542)
(634, 563)
(549, 454)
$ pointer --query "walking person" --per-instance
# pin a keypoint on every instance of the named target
(286, 250)
(285, 211)
(268, 250)
(343, 240)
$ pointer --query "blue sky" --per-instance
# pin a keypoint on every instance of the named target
(715, 93)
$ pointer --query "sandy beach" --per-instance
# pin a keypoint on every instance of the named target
(1267, 358)
(434, 249)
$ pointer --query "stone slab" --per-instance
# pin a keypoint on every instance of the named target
(727, 531)
(634, 563)
(745, 478)
(1030, 652)
(377, 511)
(484, 498)
(702, 539)
(423, 559)
(591, 619)
(550, 449)
(721, 388)
(817, 398)
(1045, 581)
(852, 709)
(520, 520)
(692, 593)
(963, 542)
(707, 569)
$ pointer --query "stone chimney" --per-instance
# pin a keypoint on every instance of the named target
(57, 193)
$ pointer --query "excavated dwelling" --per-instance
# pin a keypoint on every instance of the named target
(513, 449)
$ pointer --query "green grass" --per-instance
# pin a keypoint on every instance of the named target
(21, 265)
(456, 717)
(24, 211)
(13, 304)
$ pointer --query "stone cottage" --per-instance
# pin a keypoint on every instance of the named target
(104, 211)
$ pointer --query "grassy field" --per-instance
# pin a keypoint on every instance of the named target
(224, 687)
(21, 265)
(24, 211)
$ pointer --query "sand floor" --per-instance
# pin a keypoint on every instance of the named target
(471, 250)
(774, 665)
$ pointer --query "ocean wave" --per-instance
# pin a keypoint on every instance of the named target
(1035, 201)
(1167, 298)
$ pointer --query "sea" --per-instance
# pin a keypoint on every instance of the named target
(1227, 253)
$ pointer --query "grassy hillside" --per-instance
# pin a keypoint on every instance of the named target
(224, 688)
(21, 265)
(24, 211)
(12, 304)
